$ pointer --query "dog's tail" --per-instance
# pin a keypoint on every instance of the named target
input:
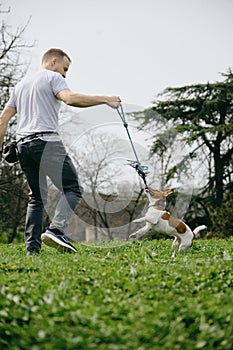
(198, 229)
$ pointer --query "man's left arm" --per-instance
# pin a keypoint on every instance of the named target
(6, 115)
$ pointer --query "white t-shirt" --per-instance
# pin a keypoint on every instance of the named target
(34, 98)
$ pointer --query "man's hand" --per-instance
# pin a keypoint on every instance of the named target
(6, 115)
(113, 101)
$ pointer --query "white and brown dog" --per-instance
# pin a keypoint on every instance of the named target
(163, 221)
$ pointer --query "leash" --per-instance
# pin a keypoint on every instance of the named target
(133, 163)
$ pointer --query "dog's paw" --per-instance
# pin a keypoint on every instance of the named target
(132, 236)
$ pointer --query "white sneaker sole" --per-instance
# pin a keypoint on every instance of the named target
(56, 243)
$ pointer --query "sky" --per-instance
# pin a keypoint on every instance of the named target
(131, 48)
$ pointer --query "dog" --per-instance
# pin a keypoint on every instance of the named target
(163, 221)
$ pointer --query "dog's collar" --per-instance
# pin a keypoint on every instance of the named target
(156, 205)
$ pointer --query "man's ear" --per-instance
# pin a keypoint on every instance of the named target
(168, 192)
(53, 61)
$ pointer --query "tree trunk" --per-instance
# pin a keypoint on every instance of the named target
(219, 172)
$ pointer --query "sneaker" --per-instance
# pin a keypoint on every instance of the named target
(59, 242)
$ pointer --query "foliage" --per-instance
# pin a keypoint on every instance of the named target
(222, 217)
(13, 201)
(113, 297)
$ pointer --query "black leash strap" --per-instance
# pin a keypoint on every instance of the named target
(135, 164)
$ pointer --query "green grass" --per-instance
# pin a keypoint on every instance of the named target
(132, 296)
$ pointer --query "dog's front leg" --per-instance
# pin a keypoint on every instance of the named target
(140, 233)
(140, 219)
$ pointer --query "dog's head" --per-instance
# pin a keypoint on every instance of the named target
(156, 196)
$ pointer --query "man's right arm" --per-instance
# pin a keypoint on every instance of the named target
(6, 115)
(81, 100)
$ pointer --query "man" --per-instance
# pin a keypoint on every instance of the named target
(36, 100)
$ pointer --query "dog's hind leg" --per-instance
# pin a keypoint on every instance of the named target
(141, 232)
(176, 243)
(183, 247)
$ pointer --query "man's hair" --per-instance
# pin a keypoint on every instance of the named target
(54, 53)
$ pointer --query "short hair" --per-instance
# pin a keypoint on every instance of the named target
(60, 54)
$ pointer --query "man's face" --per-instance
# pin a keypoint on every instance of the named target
(61, 65)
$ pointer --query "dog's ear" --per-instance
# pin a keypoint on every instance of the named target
(168, 192)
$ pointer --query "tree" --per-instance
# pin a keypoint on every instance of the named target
(200, 116)
(222, 217)
(13, 202)
(12, 182)
(109, 202)
(98, 175)
(12, 67)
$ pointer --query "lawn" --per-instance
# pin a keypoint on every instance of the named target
(125, 296)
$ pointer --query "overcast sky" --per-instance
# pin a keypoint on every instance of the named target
(131, 48)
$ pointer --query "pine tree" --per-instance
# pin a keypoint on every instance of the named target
(201, 115)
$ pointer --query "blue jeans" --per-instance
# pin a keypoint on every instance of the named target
(39, 159)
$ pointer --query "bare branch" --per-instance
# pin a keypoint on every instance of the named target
(5, 11)
(11, 43)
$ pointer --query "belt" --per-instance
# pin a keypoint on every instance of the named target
(32, 136)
